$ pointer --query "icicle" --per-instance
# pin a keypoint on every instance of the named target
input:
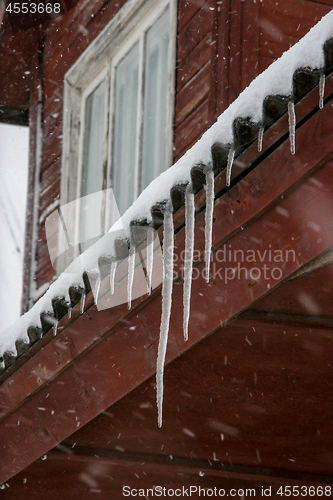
(168, 243)
(69, 311)
(260, 138)
(112, 275)
(96, 289)
(209, 220)
(188, 265)
(82, 302)
(321, 91)
(130, 277)
(150, 258)
(292, 126)
(55, 327)
(231, 156)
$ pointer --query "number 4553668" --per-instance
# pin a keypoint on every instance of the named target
(33, 8)
(304, 491)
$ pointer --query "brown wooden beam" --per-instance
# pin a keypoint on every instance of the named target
(222, 469)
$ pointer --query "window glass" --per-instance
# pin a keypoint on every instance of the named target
(125, 128)
(155, 100)
(92, 165)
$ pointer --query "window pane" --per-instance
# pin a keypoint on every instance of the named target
(92, 167)
(155, 100)
(125, 128)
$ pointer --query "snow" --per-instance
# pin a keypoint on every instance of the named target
(188, 264)
(209, 220)
(168, 248)
(276, 80)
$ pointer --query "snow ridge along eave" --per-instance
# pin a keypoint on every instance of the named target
(299, 69)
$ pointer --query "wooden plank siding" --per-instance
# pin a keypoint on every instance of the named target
(237, 408)
(221, 47)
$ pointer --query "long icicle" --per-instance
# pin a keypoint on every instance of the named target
(130, 275)
(168, 244)
(82, 302)
(260, 138)
(231, 156)
(209, 220)
(321, 91)
(150, 258)
(292, 126)
(188, 264)
(96, 289)
(112, 275)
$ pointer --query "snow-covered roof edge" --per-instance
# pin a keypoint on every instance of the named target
(264, 100)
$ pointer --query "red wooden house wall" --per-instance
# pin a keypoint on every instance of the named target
(268, 380)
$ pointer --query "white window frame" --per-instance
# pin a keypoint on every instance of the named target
(97, 62)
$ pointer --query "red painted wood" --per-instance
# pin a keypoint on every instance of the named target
(191, 129)
(309, 295)
(50, 174)
(186, 10)
(195, 61)
(194, 31)
(292, 18)
(17, 50)
(74, 476)
(193, 94)
(51, 193)
(270, 44)
(250, 46)
(223, 56)
(119, 368)
(52, 145)
(267, 385)
(213, 94)
(235, 43)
